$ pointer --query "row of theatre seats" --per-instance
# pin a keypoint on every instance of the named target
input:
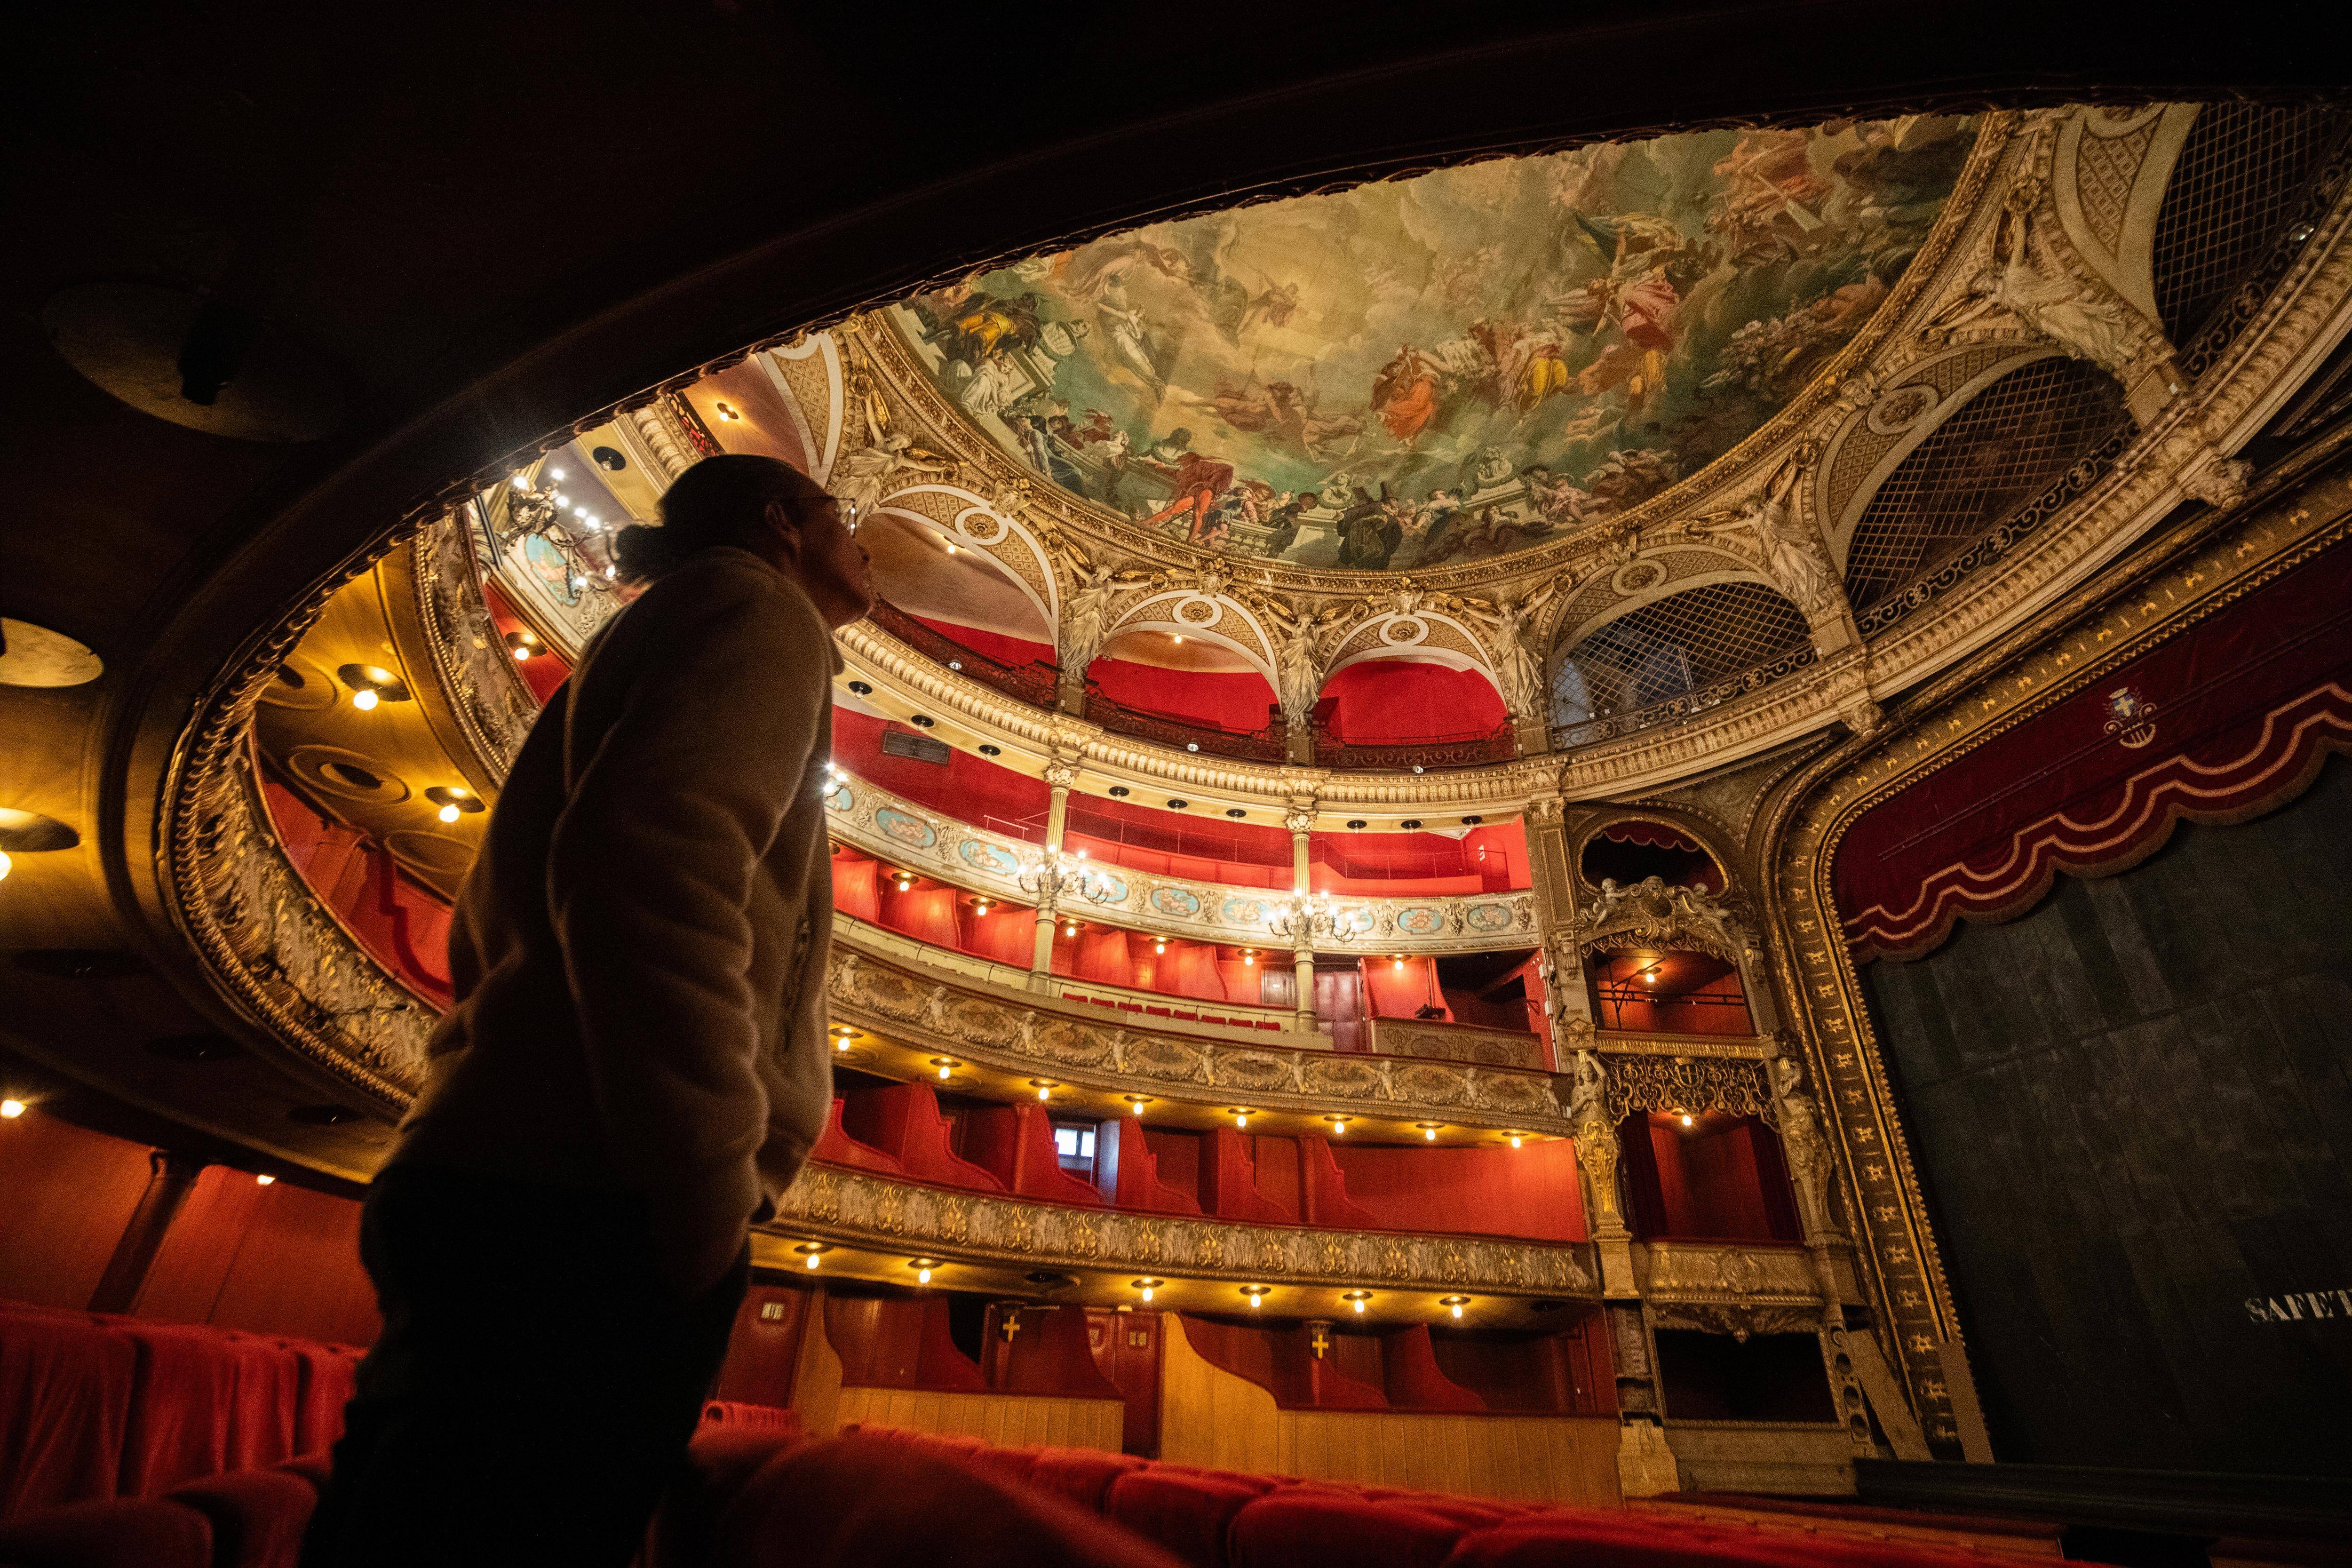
(759, 1494)
(899, 1131)
(94, 1406)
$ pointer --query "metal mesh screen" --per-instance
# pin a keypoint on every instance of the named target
(1673, 647)
(2011, 442)
(2239, 186)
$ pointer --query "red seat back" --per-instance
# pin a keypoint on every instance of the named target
(126, 1533)
(66, 1383)
(257, 1516)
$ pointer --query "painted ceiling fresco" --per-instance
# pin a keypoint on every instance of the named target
(1448, 367)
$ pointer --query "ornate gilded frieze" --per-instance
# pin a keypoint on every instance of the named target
(1034, 1035)
(1885, 1208)
(1676, 1083)
(904, 833)
(1439, 1041)
(1720, 1274)
(470, 661)
(853, 1209)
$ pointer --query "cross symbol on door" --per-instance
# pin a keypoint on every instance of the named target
(1321, 1344)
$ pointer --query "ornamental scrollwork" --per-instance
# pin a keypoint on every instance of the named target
(1653, 914)
(1671, 1083)
(854, 1208)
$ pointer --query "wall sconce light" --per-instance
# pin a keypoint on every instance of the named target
(1258, 1293)
(812, 1251)
(522, 645)
(1149, 1286)
(1429, 1130)
(1457, 1303)
(264, 1179)
(1139, 1101)
(1045, 1086)
(1517, 1138)
(12, 1109)
(841, 1035)
(1356, 1299)
(1242, 1113)
(1338, 1123)
(372, 684)
(922, 1267)
(946, 1066)
(728, 412)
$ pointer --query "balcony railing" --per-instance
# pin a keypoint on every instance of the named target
(1033, 683)
(1470, 749)
(1183, 735)
(1690, 704)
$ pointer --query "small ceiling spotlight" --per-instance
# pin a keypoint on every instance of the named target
(1249, 955)
(264, 1179)
(1356, 1299)
(371, 684)
(1180, 639)
(728, 412)
(1242, 1113)
(1235, 812)
(921, 721)
(1149, 1286)
(1471, 821)
(524, 644)
(1138, 1101)
(812, 1251)
(1120, 792)
(1338, 1123)
(1396, 961)
(1457, 1303)
(1429, 1130)
(1517, 1139)
(860, 688)
(841, 1035)
(1355, 824)
(1687, 1118)
(989, 749)
(1258, 1293)
(1045, 1086)
(946, 1066)
(1174, 804)
(1191, 745)
(922, 1267)
(1409, 823)
(455, 801)
(11, 1108)
(1160, 946)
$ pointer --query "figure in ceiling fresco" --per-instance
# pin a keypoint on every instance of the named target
(1451, 367)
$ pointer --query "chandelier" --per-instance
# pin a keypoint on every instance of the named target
(1309, 918)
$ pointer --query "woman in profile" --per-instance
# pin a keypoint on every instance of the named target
(634, 1068)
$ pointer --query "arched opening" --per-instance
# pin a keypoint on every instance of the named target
(1634, 849)
(1671, 648)
(1186, 691)
(1406, 702)
(956, 606)
(1979, 470)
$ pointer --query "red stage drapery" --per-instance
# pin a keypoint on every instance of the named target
(2220, 723)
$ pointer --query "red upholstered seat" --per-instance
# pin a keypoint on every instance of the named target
(1121, 1153)
(904, 1122)
(115, 1532)
(1315, 1527)
(1593, 1539)
(721, 1458)
(65, 1405)
(1014, 1143)
(1229, 1183)
(316, 1467)
(744, 1413)
(206, 1401)
(837, 1147)
(330, 1377)
(1187, 1511)
(856, 1501)
(1323, 1191)
(1080, 1475)
(257, 1516)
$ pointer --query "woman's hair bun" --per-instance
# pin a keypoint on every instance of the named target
(642, 552)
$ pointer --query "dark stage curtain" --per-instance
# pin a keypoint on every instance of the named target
(2131, 1109)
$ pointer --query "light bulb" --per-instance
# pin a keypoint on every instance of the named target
(1082, 854)
(12, 1109)
(555, 474)
(5, 864)
(522, 653)
(447, 814)
(923, 1277)
(1429, 1134)
(1147, 1292)
(1515, 1140)
(263, 1181)
(1396, 963)
(811, 1260)
(1458, 1309)
(1256, 1301)
(1249, 958)
(1339, 1127)
(1360, 1305)
(841, 1044)
(1241, 1121)
(1687, 1120)
(1045, 1094)
(1180, 638)
(522, 481)
(363, 699)
(943, 1075)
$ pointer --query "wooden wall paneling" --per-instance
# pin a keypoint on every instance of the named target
(816, 1380)
(71, 1193)
(279, 1260)
(1003, 1420)
(763, 1351)
(1208, 1416)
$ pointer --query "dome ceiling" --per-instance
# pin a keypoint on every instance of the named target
(1447, 368)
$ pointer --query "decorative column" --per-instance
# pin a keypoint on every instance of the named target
(1300, 820)
(1551, 875)
(171, 1177)
(668, 453)
(1060, 774)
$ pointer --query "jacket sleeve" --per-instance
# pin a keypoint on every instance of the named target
(708, 739)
